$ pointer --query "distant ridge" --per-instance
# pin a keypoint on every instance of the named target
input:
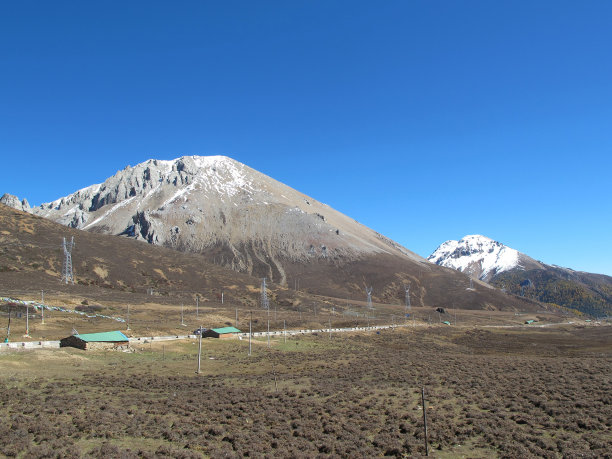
(514, 272)
(480, 257)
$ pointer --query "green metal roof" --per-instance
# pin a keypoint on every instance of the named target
(113, 336)
(226, 330)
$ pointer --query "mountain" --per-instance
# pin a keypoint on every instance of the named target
(480, 257)
(516, 273)
(219, 207)
(233, 216)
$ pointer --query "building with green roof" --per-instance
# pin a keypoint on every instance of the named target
(224, 332)
(89, 341)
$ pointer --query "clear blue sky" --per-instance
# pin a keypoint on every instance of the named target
(425, 120)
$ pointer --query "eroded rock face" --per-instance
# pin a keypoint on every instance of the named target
(215, 205)
(14, 202)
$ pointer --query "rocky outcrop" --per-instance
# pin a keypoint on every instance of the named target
(15, 203)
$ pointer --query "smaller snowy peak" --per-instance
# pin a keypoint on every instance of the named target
(477, 256)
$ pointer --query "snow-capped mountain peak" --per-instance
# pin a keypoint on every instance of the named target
(477, 256)
(222, 208)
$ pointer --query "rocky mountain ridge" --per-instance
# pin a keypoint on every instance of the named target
(15, 202)
(221, 208)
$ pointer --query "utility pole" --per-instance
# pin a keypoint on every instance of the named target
(8, 329)
(250, 331)
(27, 320)
(425, 421)
(182, 322)
(268, 332)
(199, 350)
(197, 306)
(42, 306)
(330, 328)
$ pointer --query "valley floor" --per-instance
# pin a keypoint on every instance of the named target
(490, 393)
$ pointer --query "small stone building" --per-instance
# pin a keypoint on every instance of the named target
(225, 332)
(92, 341)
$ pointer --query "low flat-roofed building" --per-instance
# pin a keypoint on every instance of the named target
(225, 332)
(90, 341)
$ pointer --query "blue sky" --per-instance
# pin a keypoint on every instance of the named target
(425, 120)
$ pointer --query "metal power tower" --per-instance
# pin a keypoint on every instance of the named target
(369, 292)
(67, 274)
(265, 303)
(407, 288)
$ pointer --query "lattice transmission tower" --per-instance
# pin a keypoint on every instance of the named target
(407, 288)
(369, 292)
(67, 273)
(265, 303)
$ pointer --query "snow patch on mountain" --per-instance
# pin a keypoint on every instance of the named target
(477, 256)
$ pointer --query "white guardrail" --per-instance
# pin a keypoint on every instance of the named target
(320, 330)
(30, 345)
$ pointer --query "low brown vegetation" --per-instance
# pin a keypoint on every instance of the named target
(534, 393)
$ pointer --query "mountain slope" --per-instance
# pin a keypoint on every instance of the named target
(111, 267)
(107, 266)
(519, 274)
(221, 208)
(233, 216)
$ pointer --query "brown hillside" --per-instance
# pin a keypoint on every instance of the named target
(121, 269)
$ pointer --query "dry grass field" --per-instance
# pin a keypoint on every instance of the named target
(491, 392)
(495, 387)
(148, 317)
